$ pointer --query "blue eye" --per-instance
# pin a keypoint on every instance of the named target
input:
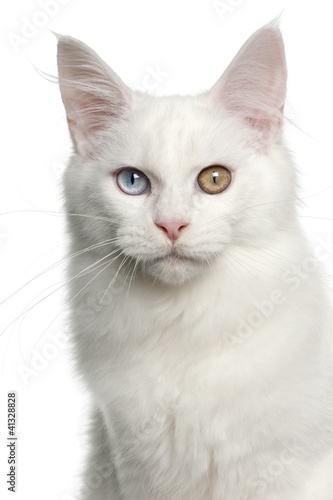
(132, 181)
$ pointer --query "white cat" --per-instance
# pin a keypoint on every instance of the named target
(200, 322)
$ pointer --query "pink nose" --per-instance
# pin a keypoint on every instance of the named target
(172, 229)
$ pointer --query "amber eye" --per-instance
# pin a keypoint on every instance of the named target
(214, 179)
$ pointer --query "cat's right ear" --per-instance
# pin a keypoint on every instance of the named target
(93, 95)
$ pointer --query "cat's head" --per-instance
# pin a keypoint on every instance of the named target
(177, 182)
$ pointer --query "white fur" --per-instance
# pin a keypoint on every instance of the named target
(212, 376)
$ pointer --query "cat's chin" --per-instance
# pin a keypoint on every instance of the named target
(173, 270)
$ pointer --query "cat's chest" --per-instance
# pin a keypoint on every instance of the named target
(176, 397)
(161, 422)
(156, 397)
(195, 428)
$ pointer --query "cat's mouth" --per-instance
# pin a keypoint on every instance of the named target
(174, 267)
(174, 256)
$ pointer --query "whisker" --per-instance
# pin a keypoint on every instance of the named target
(249, 263)
(90, 281)
(287, 200)
(36, 343)
(63, 283)
(60, 261)
(70, 300)
(241, 275)
(132, 278)
(64, 214)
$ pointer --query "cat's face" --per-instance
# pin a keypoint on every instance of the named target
(176, 182)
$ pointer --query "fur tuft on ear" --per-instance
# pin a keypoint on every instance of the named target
(254, 85)
(92, 93)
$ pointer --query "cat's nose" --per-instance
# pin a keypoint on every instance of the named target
(172, 228)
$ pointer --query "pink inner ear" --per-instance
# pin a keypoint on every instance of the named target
(82, 121)
(258, 119)
(87, 111)
(92, 93)
(254, 85)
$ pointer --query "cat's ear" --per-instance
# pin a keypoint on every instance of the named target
(254, 85)
(92, 93)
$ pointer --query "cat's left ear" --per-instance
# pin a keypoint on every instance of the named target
(253, 87)
(93, 95)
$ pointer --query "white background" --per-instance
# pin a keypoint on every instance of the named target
(191, 42)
